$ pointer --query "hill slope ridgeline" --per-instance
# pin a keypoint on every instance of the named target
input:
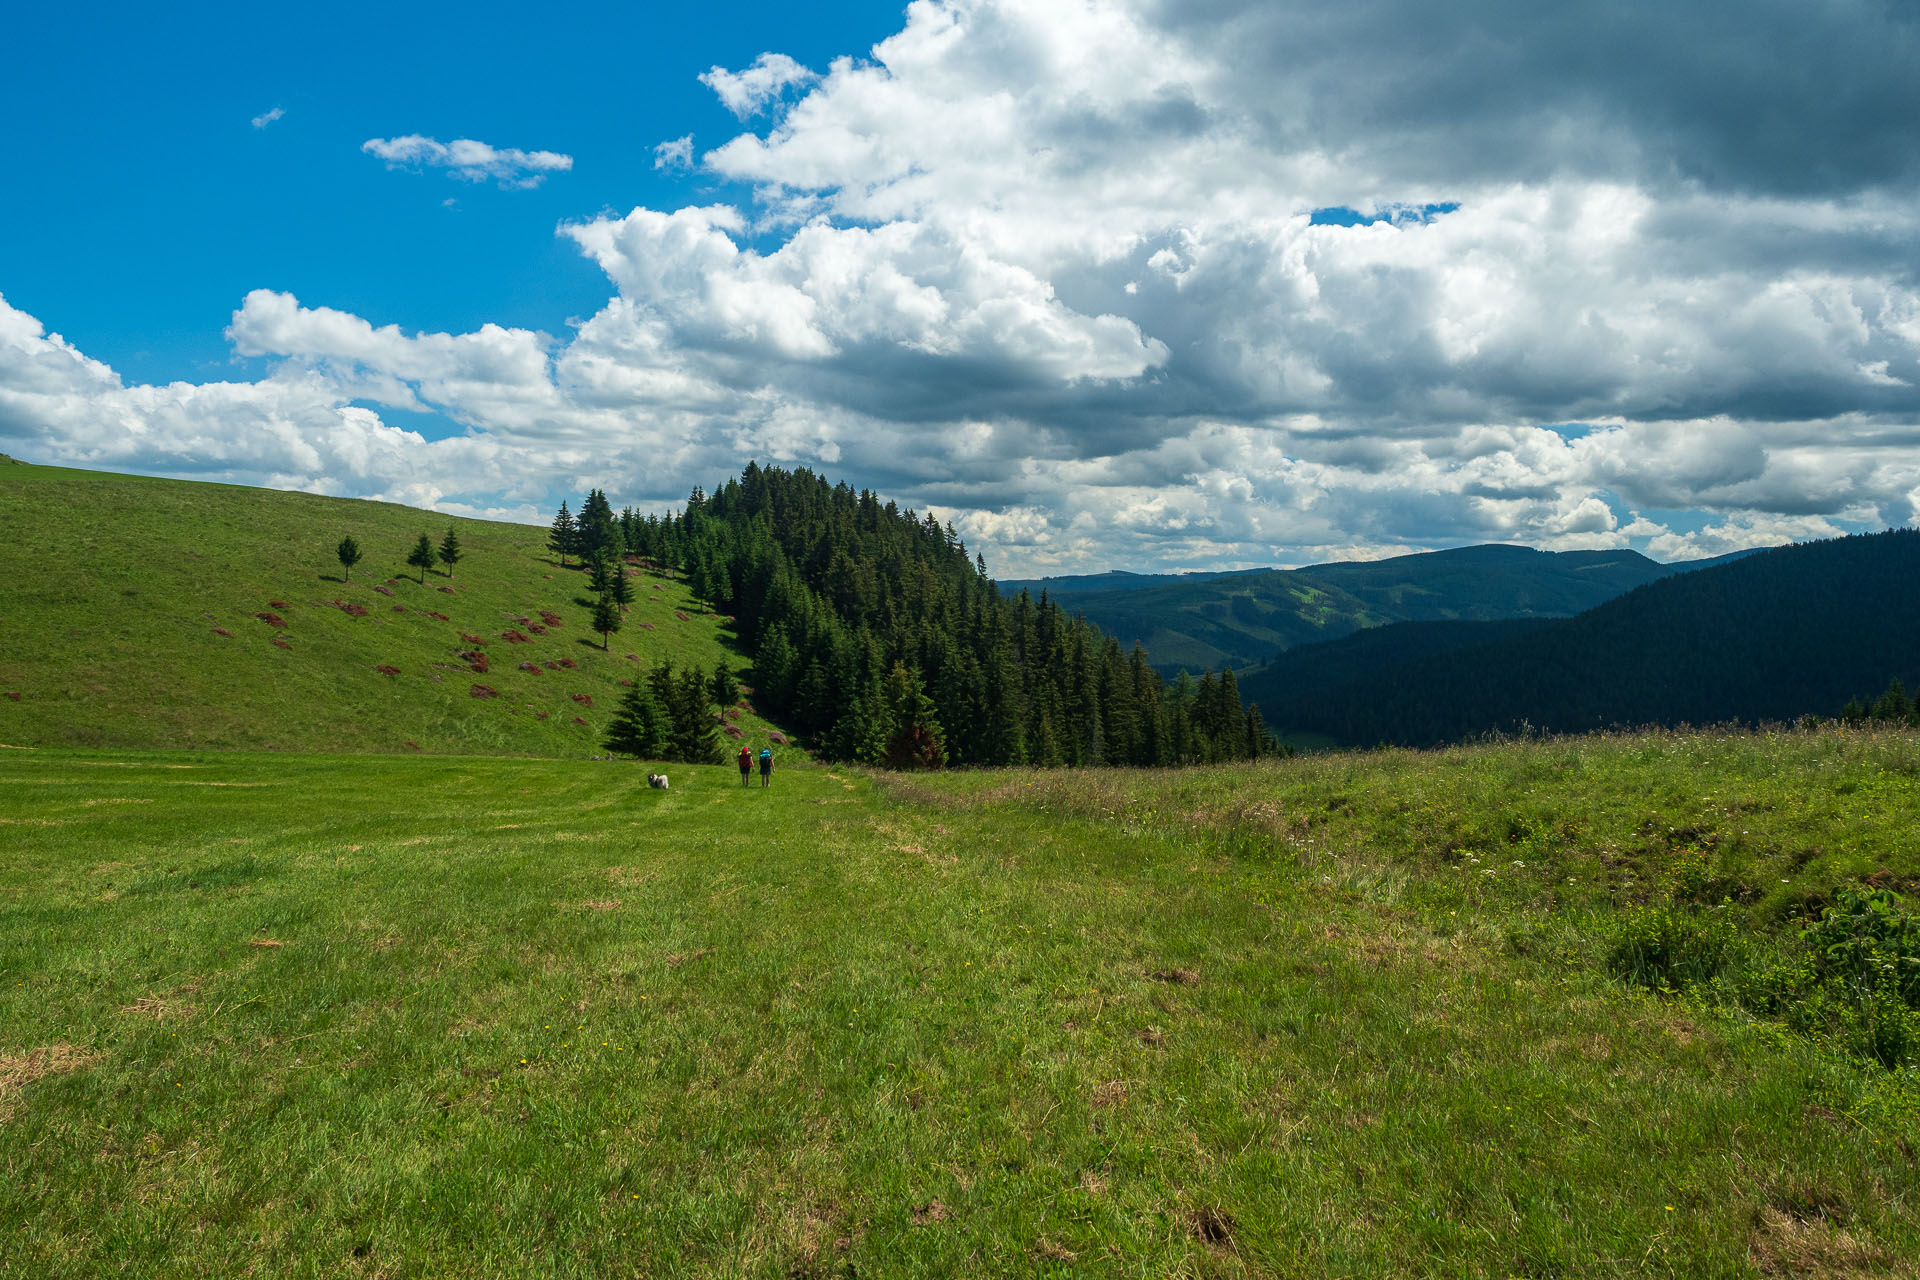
(1245, 618)
(1778, 634)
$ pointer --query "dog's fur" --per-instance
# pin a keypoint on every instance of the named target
(658, 781)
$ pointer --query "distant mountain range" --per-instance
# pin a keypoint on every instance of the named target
(1770, 636)
(1207, 620)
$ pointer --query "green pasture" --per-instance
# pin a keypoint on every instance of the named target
(394, 1015)
(131, 619)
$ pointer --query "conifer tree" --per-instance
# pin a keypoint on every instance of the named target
(599, 576)
(640, 727)
(349, 553)
(421, 557)
(606, 619)
(562, 539)
(726, 690)
(915, 739)
(696, 734)
(450, 551)
(1893, 705)
(619, 586)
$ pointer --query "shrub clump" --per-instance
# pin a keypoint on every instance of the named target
(513, 635)
(386, 670)
(549, 617)
(271, 619)
(484, 691)
(222, 631)
(385, 591)
(471, 639)
(1666, 948)
(477, 661)
(584, 699)
(532, 667)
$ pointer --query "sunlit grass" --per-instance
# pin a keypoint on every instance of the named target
(529, 1017)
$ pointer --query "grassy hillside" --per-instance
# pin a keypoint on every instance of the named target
(131, 618)
(1792, 631)
(1355, 1015)
(1242, 619)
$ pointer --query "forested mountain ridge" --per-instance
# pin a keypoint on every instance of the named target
(874, 634)
(1771, 636)
(1245, 618)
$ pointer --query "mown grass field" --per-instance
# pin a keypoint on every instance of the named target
(131, 619)
(1341, 1016)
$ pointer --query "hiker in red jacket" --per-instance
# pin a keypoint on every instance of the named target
(746, 764)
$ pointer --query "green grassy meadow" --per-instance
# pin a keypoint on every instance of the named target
(1349, 1015)
(131, 620)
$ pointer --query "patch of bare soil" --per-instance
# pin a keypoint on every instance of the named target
(1214, 1226)
(1179, 977)
(931, 1211)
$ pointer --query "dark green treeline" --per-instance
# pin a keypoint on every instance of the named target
(873, 633)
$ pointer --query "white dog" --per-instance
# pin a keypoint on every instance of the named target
(658, 781)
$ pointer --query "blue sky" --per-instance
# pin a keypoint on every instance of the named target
(1109, 283)
(147, 204)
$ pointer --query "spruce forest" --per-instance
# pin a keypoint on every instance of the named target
(873, 634)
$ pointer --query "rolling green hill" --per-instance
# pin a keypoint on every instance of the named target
(141, 612)
(1241, 619)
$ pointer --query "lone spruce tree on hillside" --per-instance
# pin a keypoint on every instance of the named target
(641, 727)
(606, 618)
(421, 557)
(618, 586)
(450, 551)
(562, 540)
(349, 553)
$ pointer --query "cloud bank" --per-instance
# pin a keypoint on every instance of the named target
(1117, 282)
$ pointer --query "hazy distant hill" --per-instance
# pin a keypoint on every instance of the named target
(1206, 621)
(1113, 580)
(1768, 636)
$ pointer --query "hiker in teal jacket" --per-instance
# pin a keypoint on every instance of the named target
(766, 766)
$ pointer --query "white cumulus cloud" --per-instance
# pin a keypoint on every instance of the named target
(1227, 282)
(747, 92)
